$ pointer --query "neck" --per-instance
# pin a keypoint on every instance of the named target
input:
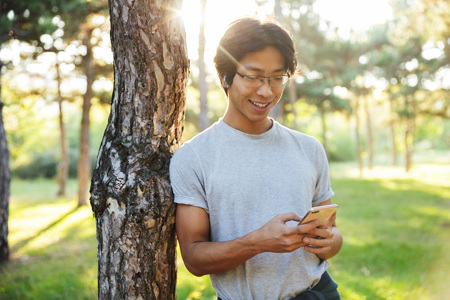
(249, 127)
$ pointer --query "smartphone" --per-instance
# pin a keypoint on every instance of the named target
(321, 213)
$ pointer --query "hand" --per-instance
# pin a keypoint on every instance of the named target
(321, 241)
(276, 236)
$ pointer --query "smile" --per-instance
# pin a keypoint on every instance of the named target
(260, 105)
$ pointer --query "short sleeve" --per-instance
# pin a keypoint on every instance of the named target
(323, 190)
(186, 178)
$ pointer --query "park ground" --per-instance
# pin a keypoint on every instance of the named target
(396, 230)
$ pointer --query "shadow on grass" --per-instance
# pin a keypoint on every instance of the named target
(24, 242)
(66, 268)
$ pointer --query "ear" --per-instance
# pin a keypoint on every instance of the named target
(225, 83)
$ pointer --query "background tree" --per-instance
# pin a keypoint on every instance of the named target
(130, 192)
(417, 72)
(20, 21)
(77, 19)
(83, 12)
(203, 121)
(63, 167)
(4, 189)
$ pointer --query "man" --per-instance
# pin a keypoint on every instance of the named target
(242, 184)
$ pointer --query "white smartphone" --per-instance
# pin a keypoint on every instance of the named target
(322, 213)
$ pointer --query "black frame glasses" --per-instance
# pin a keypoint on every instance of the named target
(257, 80)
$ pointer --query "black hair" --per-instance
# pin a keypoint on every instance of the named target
(252, 35)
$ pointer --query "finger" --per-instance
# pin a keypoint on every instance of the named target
(317, 242)
(288, 217)
(330, 221)
(306, 228)
(317, 249)
(325, 233)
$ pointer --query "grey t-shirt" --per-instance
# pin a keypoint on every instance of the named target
(243, 181)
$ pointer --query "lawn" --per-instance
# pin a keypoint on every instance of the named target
(396, 232)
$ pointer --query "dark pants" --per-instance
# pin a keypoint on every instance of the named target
(325, 289)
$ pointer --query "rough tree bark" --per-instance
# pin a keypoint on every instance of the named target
(131, 194)
(203, 121)
(63, 167)
(84, 161)
(4, 187)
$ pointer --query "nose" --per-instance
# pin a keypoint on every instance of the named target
(265, 89)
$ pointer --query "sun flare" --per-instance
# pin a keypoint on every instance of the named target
(346, 14)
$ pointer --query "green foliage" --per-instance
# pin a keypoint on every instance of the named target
(33, 136)
(433, 133)
(26, 20)
(42, 164)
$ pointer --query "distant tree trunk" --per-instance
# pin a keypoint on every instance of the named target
(277, 111)
(131, 195)
(4, 186)
(393, 143)
(409, 145)
(409, 132)
(63, 167)
(292, 100)
(357, 138)
(84, 162)
(323, 118)
(203, 121)
(277, 10)
(369, 133)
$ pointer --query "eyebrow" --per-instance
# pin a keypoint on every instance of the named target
(251, 68)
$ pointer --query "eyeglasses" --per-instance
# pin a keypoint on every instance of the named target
(257, 80)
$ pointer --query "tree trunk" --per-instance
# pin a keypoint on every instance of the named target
(277, 10)
(277, 111)
(292, 100)
(63, 167)
(393, 143)
(203, 121)
(4, 186)
(409, 133)
(409, 143)
(357, 138)
(324, 127)
(84, 161)
(369, 133)
(131, 195)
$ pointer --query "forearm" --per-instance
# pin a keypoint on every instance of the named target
(203, 258)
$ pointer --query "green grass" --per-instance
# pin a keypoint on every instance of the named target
(396, 232)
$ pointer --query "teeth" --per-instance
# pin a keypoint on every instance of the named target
(259, 104)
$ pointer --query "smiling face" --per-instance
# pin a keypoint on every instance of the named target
(248, 107)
